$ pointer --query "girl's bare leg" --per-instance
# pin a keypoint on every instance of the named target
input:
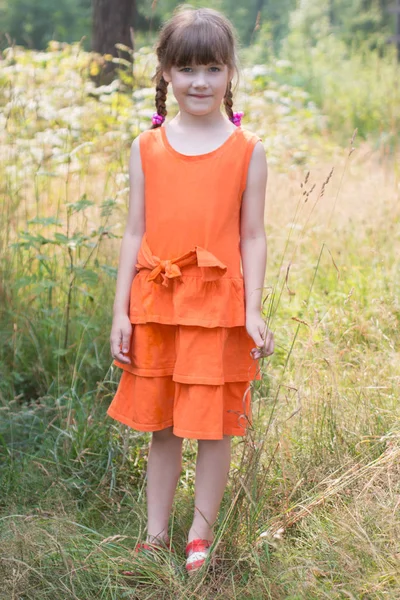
(212, 471)
(163, 470)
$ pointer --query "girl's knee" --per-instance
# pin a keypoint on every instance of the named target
(165, 435)
(226, 439)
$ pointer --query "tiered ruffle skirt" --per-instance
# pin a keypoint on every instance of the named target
(190, 364)
(192, 378)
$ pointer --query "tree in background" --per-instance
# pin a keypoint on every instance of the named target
(369, 21)
(34, 24)
(248, 16)
(358, 22)
(112, 21)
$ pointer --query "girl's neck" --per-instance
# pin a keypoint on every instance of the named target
(211, 122)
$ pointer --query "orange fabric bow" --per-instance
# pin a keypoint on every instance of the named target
(163, 270)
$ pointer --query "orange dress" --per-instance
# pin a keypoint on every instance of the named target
(191, 366)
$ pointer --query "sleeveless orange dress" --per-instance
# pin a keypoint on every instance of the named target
(191, 366)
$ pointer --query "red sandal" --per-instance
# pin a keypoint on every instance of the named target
(150, 549)
(150, 546)
(196, 552)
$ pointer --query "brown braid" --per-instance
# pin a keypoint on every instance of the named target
(228, 101)
(161, 98)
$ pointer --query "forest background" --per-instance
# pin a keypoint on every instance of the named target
(35, 24)
(312, 507)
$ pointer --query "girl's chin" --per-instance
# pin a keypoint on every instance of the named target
(197, 112)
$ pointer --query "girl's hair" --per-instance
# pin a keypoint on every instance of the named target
(194, 36)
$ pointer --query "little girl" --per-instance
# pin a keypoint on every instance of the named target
(186, 318)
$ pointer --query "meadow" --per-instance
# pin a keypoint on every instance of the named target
(312, 507)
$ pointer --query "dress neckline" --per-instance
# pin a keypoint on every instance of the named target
(192, 157)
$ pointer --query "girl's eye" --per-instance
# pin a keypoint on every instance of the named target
(188, 69)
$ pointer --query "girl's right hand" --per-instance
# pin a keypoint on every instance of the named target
(121, 331)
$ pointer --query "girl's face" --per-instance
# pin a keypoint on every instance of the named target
(199, 89)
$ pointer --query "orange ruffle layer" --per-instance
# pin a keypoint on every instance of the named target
(202, 412)
(190, 301)
(192, 354)
(200, 295)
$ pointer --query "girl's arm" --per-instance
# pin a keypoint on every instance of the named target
(253, 247)
(121, 328)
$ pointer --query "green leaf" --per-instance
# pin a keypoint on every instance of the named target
(60, 352)
(111, 271)
(80, 205)
(107, 207)
(86, 293)
(42, 257)
(24, 281)
(78, 238)
(61, 238)
(45, 284)
(86, 275)
(46, 173)
(45, 221)
(26, 239)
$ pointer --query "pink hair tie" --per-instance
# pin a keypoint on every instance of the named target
(157, 119)
(237, 118)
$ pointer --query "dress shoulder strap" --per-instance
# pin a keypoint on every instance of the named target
(249, 139)
(149, 142)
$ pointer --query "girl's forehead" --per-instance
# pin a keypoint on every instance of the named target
(196, 64)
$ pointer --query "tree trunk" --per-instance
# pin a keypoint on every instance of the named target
(112, 20)
(256, 19)
(331, 13)
(396, 38)
(259, 6)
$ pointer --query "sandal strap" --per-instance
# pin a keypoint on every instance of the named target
(197, 545)
(193, 565)
(146, 546)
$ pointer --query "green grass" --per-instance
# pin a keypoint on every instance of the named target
(311, 508)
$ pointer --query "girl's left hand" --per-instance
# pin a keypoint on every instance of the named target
(261, 335)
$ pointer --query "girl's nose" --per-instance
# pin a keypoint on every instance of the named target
(200, 80)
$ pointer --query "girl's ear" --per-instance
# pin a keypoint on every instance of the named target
(167, 76)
